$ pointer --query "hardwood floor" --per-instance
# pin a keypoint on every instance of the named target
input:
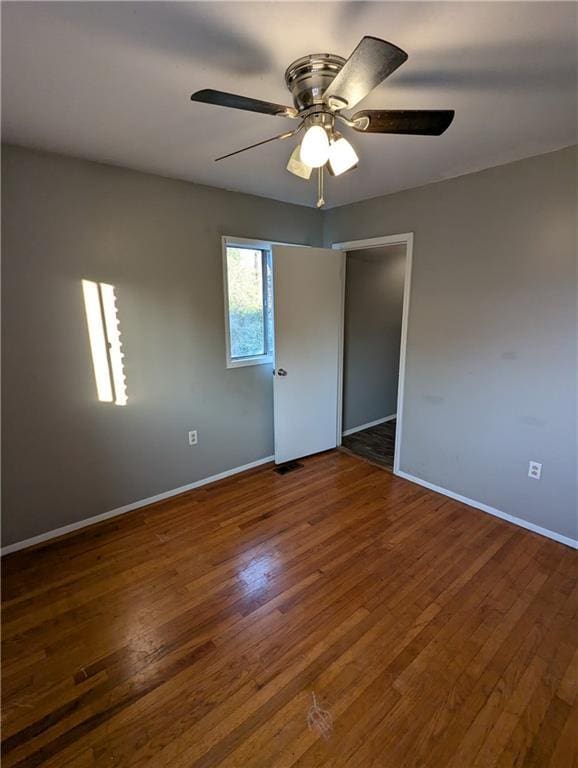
(192, 633)
(374, 443)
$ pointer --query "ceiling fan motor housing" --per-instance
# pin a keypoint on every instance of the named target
(309, 77)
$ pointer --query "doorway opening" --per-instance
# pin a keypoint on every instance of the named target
(374, 335)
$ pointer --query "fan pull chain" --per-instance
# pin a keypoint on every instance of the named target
(320, 198)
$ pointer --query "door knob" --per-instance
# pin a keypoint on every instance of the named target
(281, 372)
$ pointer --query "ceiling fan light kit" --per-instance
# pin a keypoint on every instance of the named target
(315, 146)
(298, 168)
(342, 156)
(322, 86)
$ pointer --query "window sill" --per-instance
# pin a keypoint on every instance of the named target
(242, 362)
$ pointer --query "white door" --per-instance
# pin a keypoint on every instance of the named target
(308, 285)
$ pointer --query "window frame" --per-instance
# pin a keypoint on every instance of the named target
(267, 256)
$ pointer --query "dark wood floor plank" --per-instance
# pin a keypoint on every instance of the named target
(192, 632)
(374, 443)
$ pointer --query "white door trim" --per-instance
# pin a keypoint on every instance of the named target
(341, 352)
(356, 245)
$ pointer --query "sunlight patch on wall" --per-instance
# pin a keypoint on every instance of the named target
(105, 343)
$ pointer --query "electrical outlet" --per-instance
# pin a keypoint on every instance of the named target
(535, 470)
(193, 439)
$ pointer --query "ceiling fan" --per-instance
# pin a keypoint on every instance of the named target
(323, 85)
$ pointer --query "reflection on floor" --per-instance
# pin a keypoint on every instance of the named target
(376, 443)
(193, 632)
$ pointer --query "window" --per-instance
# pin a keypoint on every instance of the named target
(248, 303)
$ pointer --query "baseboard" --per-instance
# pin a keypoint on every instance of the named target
(57, 532)
(41, 538)
(369, 424)
(491, 511)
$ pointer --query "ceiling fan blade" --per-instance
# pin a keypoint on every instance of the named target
(285, 135)
(370, 63)
(222, 99)
(418, 122)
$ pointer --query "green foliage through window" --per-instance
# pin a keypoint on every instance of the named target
(249, 285)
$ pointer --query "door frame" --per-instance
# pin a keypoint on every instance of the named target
(356, 245)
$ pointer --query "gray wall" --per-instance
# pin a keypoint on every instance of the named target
(491, 356)
(67, 456)
(491, 369)
(373, 307)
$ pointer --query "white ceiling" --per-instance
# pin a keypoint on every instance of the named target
(111, 82)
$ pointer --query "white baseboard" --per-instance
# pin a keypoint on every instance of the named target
(236, 470)
(369, 424)
(129, 507)
(491, 511)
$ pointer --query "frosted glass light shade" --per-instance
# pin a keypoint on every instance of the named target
(297, 167)
(342, 156)
(315, 147)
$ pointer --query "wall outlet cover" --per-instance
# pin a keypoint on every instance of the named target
(535, 470)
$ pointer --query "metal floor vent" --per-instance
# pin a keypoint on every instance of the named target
(288, 466)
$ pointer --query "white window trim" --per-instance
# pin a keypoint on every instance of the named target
(258, 245)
